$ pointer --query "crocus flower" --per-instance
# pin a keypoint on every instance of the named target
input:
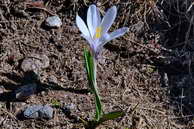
(96, 30)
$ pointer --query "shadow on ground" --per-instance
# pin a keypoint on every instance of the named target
(29, 78)
(177, 74)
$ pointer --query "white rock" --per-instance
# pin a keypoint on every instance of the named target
(53, 21)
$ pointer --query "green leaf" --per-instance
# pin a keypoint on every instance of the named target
(99, 111)
(105, 117)
(90, 63)
(111, 116)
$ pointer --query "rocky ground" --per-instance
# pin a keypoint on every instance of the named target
(148, 73)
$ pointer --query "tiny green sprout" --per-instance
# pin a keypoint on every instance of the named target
(55, 103)
(96, 34)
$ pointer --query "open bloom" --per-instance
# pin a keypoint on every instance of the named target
(96, 30)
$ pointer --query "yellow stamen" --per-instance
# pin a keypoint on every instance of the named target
(98, 32)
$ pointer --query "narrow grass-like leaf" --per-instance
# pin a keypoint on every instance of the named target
(99, 110)
(91, 73)
(89, 63)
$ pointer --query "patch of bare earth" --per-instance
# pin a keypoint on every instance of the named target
(129, 77)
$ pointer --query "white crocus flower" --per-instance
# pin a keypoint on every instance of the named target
(96, 30)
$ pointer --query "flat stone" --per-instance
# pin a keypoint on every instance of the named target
(38, 112)
(53, 21)
(35, 62)
(46, 112)
(32, 112)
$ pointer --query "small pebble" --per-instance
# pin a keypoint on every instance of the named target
(137, 28)
(52, 79)
(69, 107)
(2, 89)
(53, 21)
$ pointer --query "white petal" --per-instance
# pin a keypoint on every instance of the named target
(90, 42)
(117, 33)
(88, 38)
(107, 37)
(102, 41)
(82, 26)
(108, 19)
(98, 17)
(93, 19)
(95, 45)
